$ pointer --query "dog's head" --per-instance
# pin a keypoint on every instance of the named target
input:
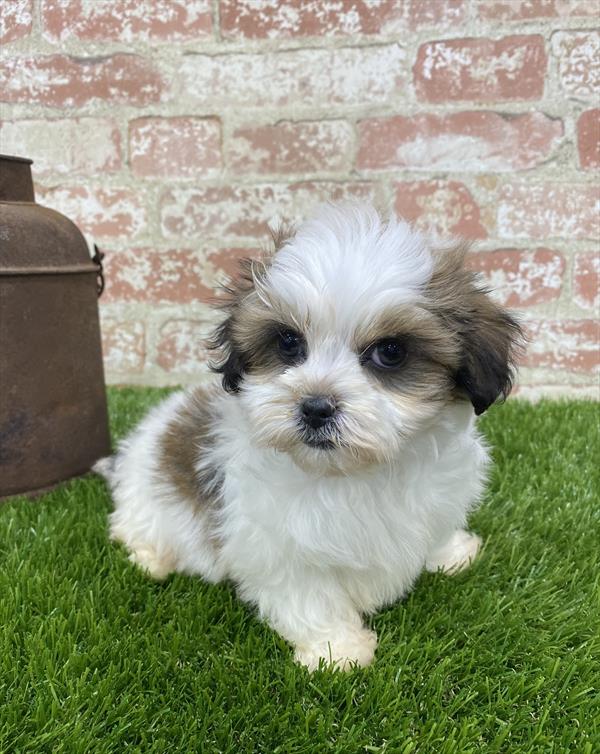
(354, 334)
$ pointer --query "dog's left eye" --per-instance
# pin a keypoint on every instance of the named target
(290, 345)
(388, 353)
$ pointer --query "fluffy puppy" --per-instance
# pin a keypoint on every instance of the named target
(340, 457)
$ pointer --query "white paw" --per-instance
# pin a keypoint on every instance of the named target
(457, 554)
(157, 566)
(356, 649)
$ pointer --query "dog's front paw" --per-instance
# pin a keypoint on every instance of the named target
(457, 554)
(157, 566)
(352, 650)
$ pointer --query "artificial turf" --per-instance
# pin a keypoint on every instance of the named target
(505, 657)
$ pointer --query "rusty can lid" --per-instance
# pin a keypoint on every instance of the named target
(16, 183)
(38, 240)
(14, 158)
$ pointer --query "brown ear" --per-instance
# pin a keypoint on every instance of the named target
(232, 364)
(232, 360)
(488, 337)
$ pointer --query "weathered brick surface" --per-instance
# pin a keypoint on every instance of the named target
(510, 68)
(586, 279)
(181, 346)
(298, 78)
(521, 278)
(311, 18)
(16, 19)
(549, 210)
(578, 56)
(101, 212)
(67, 81)
(176, 131)
(124, 345)
(525, 10)
(78, 146)
(179, 147)
(588, 139)
(476, 140)
(287, 147)
(444, 207)
(571, 345)
(246, 210)
(156, 276)
(126, 20)
(437, 13)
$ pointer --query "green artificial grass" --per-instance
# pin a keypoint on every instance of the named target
(505, 657)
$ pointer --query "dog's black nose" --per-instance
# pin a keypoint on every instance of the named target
(317, 410)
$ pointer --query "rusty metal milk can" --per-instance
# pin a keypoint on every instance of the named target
(53, 418)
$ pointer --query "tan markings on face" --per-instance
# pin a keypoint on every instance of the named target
(254, 314)
(432, 355)
(185, 439)
(423, 332)
(254, 331)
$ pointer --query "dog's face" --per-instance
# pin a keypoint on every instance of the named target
(354, 335)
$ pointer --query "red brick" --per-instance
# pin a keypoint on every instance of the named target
(64, 81)
(549, 210)
(181, 346)
(512, 68)
(523, 10)
(173, 276)
(81, 145)
(588, 139)
(578, 54)
(212, 212)
(586, 281)
(224, 263)
(286, 147)
(571, 345)
(443, 207)
(16, 19)
(182, 147)
(472, 141)
(309, 77)
(521, 278)
(170, 276)
(126, 20)
(123, 345)
(310, 18)
(437, 13)
(102, 212)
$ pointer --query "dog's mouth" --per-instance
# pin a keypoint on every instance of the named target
(320, 439)
(321, 443)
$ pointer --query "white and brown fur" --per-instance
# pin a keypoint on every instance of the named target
(223, 482)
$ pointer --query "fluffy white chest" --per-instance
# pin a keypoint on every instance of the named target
(374, 528)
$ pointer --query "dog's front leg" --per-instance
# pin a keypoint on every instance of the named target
(318, 619)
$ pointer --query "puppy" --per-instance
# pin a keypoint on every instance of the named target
(340, 457)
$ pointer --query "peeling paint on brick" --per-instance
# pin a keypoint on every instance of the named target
(176, 131)
(16, 19)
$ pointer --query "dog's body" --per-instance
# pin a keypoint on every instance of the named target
(342, 457)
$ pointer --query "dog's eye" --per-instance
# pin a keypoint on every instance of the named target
(290, 345)
(388, 353)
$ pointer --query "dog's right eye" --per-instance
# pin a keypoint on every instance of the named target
(290, 346)
(388, 353)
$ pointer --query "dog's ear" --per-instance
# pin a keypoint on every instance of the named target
(488, 337)
(231, 363)
(233, 355)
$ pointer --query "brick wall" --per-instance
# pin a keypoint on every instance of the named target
(173, 130)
